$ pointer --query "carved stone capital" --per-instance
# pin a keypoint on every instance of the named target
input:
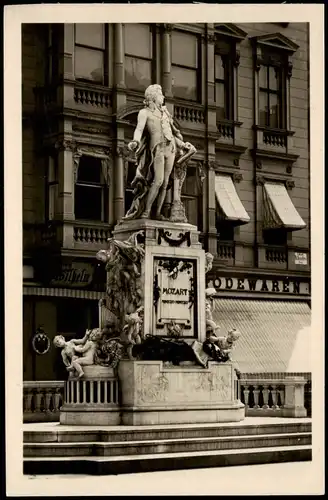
(290, 185)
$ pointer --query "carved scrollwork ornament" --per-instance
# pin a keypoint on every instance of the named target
(40, 342)
(259, 180)
(237, 177)
(236, 60)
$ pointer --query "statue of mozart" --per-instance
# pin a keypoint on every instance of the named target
(161, 156)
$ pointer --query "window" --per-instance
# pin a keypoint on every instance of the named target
(52, 188)
(271, 113)
(224, 81)
(275, 237)
(225, 230)
(191, 198)
(89, 57)
(138, 55)
(91, 191)
(185, 62)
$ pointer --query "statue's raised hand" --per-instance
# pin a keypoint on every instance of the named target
(133, 145)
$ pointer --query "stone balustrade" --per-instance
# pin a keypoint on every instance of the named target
(98, 98)
(276, 254)
(91, 392)
(225, 250)
(273, 138)
(42, 400)
(275, 394)
(97, 392)
(226, 130)
(91, 234)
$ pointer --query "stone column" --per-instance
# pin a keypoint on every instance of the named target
(212, 134)
(119, 183)
(211, 210)
(119, 56)
(66, 188)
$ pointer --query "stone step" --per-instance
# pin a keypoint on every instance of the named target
(119, 434)
(165, 461)
(75, 449)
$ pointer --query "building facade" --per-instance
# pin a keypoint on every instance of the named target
(240, 94)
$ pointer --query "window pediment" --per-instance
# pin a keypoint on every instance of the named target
(230, 30)
(276, 40)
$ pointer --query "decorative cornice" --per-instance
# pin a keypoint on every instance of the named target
(230, 30)
(277, 41)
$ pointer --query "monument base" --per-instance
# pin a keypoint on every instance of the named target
(153, 393)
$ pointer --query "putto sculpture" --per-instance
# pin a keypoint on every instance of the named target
(161, 158)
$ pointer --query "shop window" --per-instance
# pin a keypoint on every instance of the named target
(52, 188)
(91, 191)
(191, 197)
(275, 237)
(185, 55)
(138, 55)
(271, 105)
(90, 52)
(224, 85)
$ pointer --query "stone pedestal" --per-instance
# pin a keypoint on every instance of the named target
(92, 400)
(294, 398)
(156, 394)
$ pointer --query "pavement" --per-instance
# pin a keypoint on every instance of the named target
(297, 478)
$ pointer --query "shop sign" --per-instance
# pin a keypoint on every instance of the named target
(301, 259)
(249, 284)
(74, 275)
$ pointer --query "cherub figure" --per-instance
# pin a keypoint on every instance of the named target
(132, 331)
(219, 348)
(79, 352)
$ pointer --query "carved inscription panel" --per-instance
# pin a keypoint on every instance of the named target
(174, 297)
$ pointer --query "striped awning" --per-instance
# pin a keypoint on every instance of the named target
(275, 334)
(279, 210)
(228, 200)
(63, 292)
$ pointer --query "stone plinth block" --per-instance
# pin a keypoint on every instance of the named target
(92, 400)
(294, 397)
(153, 393)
